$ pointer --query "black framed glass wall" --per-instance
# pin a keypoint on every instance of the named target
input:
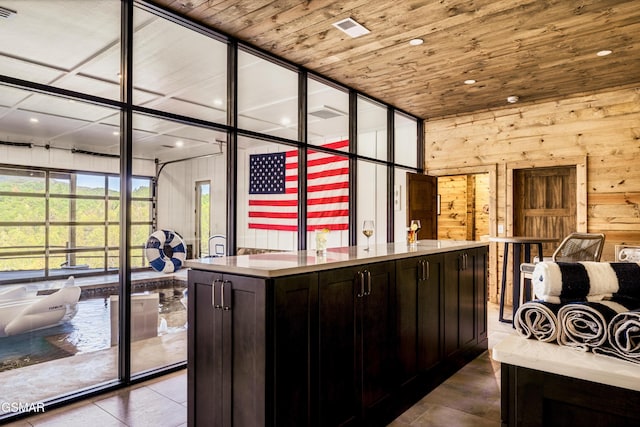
(56, 108)
(66, 77)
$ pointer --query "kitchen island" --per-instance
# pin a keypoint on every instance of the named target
(350, 337)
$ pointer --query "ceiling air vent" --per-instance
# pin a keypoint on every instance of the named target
(6, 13)
(326, 112)
(351, 27)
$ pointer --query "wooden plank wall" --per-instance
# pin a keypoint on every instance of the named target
(604, 127)
(464, 206)
(452, 222)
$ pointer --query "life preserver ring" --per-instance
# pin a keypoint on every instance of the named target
(165, 251)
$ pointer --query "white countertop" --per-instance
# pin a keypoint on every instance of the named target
(279, 264)
(561, 360)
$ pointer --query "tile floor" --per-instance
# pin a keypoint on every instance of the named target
(471, 397)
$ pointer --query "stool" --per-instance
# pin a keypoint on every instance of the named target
(518, 243)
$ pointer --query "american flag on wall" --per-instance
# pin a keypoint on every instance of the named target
(273, 190)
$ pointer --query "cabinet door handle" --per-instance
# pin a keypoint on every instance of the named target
(224, 307)
(368, 274)
(463, 262)
(425, 269)
(360, 279)
(213, 294)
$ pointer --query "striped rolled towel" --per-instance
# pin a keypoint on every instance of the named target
(584, 325)
(624, 337)
(566, 282)
(537, 320)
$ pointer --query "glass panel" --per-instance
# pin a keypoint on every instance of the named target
(267, 196)
(267, 97)
(73, 263)
(139, 235)
(138, 258)
(141, 210)
(182, 155)
(113, 235)
(36, 44)
(75, 46)
(327, 198)
(22, 181)
(80, 210)
(400, 222)
(203, 210)
(113, 260)
(22, 209)
(53, 125)
(372, 129)
(59, 183)
(372, 201)
(328, 114)
(89, 185)
(172, 74)
(406, 140)
(140, 187)
(17, 267)
(113, 183)
(113, 210)
(21, 239)
(76, 236)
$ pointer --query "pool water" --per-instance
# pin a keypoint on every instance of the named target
(88, 331)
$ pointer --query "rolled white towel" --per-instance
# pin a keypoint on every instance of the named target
(584, 326)
(584, 281)
(537, 320)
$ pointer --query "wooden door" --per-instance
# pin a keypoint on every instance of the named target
(545, 203)
(422, 203)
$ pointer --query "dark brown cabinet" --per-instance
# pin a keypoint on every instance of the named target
(532, 398)
(464, 300)
(226, 350)
(419, 283)
(356, 336)
(339, 346)
(295, 350)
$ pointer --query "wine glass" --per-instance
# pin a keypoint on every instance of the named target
(415, 226)
(367, 230)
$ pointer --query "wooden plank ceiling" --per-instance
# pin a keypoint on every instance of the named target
(538, 50)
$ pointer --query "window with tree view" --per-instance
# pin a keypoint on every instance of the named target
(58, 223)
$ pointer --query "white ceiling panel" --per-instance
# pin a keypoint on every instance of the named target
(43, 31)
(63, 107)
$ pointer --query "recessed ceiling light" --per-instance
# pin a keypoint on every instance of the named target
(416, 42)
(217, 101)
(604, 52)
(116, 133)
(469, 82)
(512, 99)
(33, 120)
(179, 143)
(285, 121)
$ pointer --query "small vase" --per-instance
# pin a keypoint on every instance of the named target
(321, 241)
